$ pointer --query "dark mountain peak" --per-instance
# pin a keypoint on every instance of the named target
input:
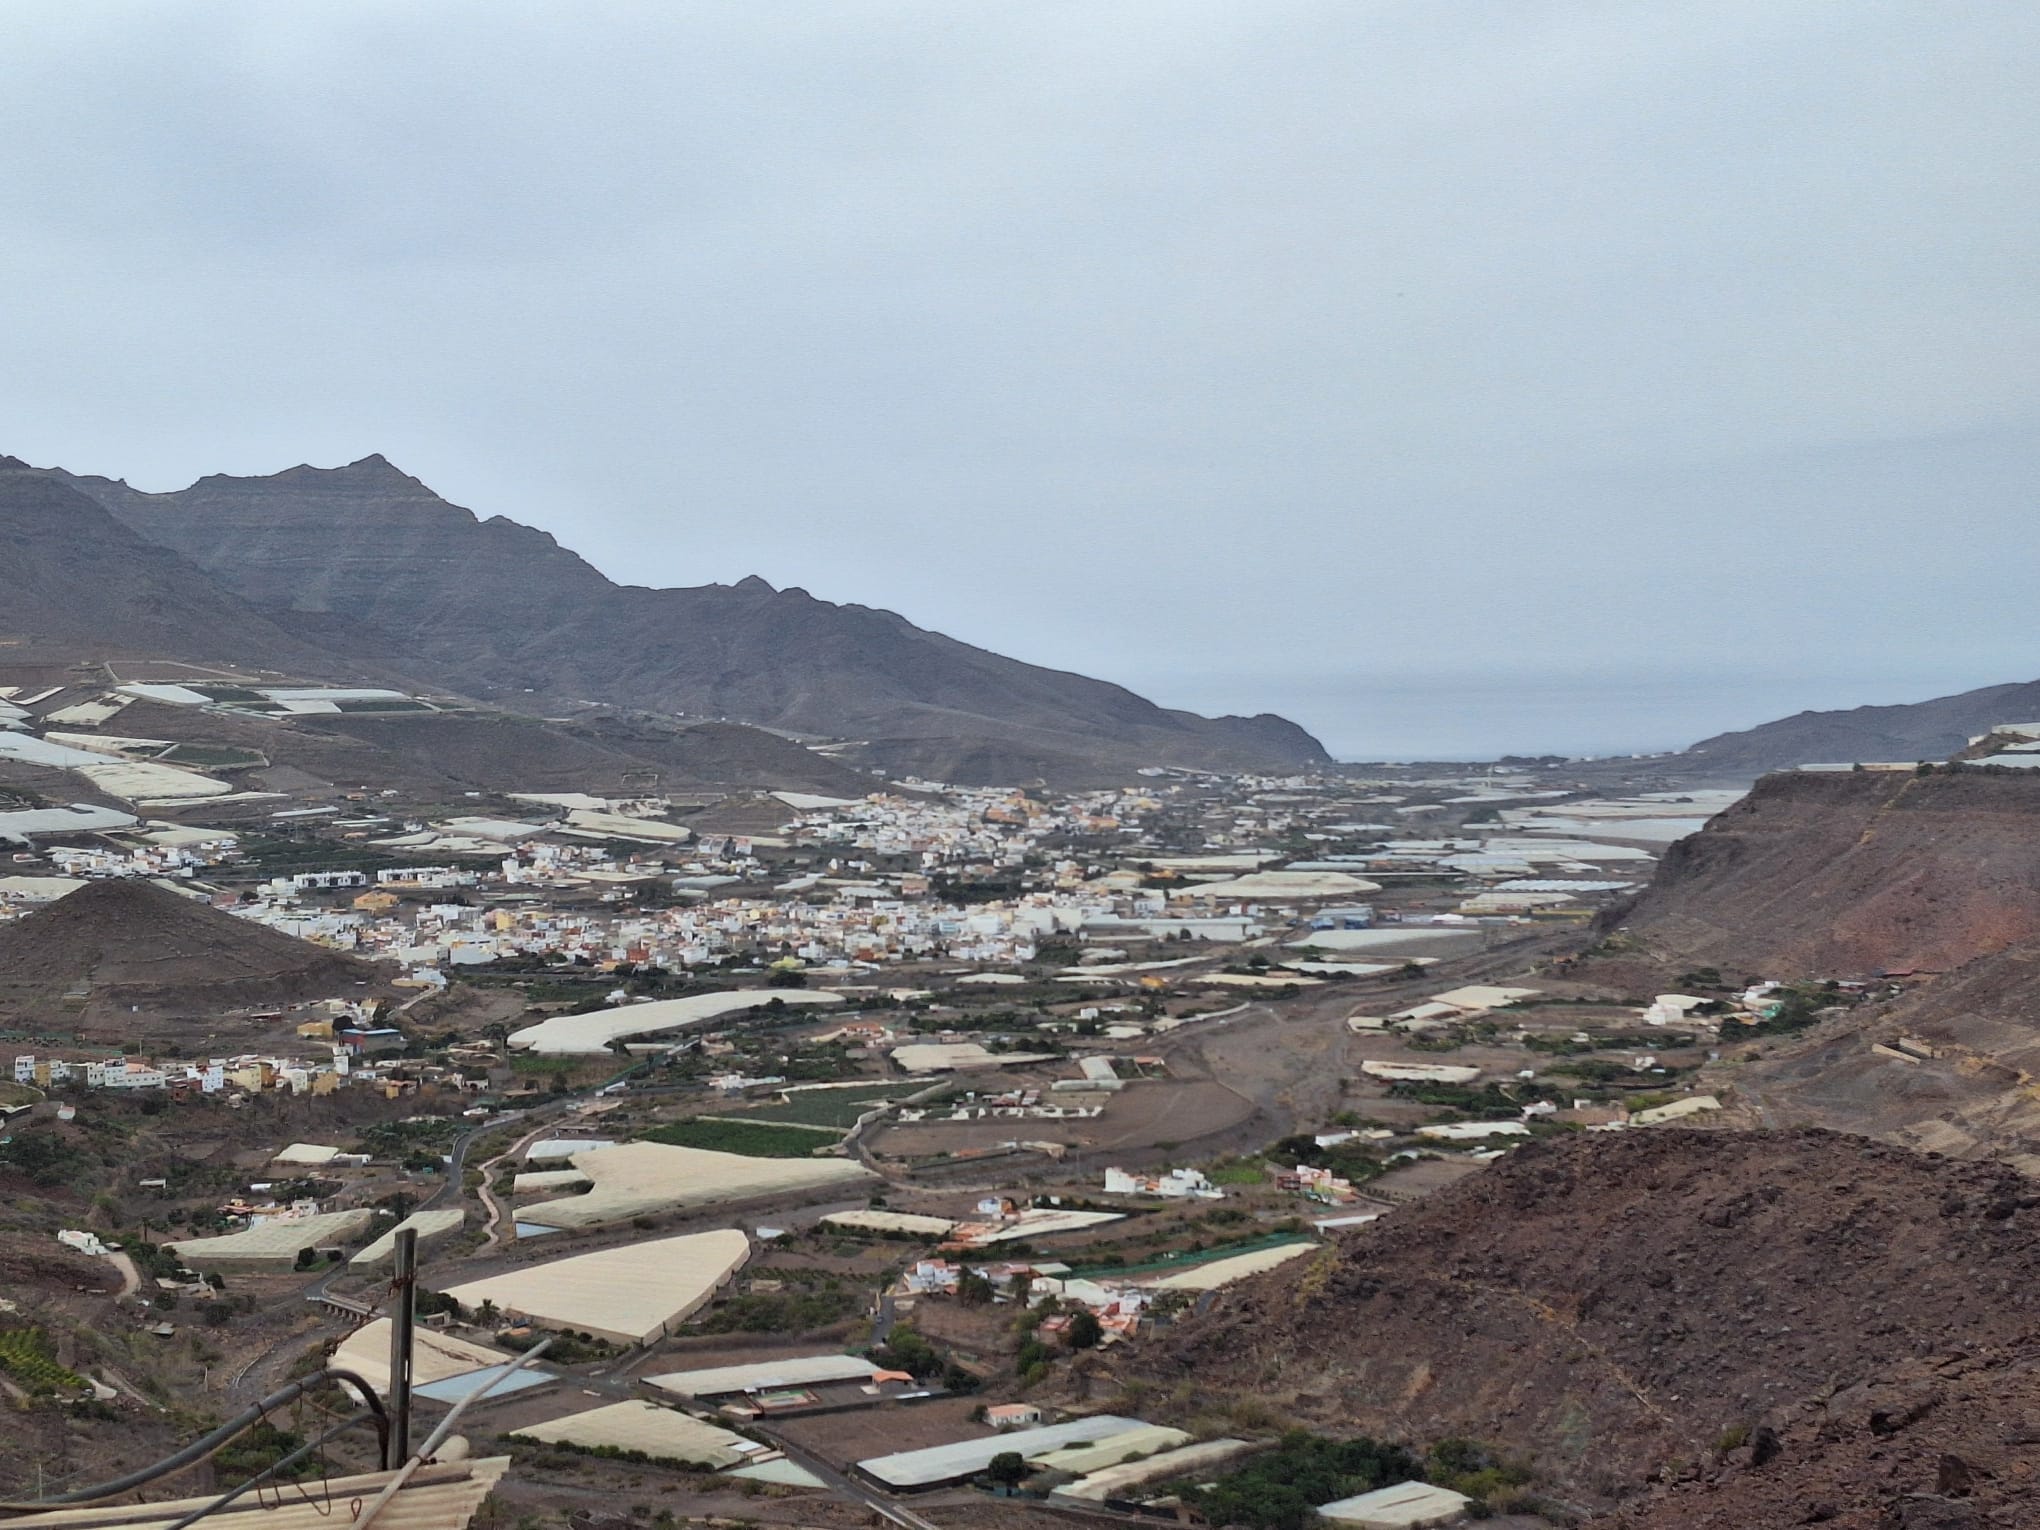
(375, 468)
(374, 474)
(13, 465)
(395, 574)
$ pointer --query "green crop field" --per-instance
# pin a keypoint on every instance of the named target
(26, 1357)
(753, 1139)
(829, 1107)
(212, 757)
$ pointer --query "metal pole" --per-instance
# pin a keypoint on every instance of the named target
(365, 1517)
(403, 1307)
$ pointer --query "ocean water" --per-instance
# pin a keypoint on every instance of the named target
(1480, 718)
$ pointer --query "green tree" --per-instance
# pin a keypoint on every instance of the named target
(1008, 1468)
(1085, 1331)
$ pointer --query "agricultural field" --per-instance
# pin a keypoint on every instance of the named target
(213, 757)
(751, 1139)
(25, 1356)
(829, 1107)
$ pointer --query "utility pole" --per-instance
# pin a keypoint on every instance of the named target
(403, 1309)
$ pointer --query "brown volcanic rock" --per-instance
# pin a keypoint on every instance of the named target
(1852, 873)
(383, 568)
(1817, 876)
(132, 941)
(1609, 1305)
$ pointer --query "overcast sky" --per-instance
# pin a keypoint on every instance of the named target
(1454, 376)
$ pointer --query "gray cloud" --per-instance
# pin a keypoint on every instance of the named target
(1657, 366)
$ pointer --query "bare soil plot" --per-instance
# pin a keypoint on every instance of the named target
(844, 1438)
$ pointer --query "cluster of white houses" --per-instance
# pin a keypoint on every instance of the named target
(251, 1074)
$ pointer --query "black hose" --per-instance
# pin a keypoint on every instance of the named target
(199, 1449)
(275, 1468)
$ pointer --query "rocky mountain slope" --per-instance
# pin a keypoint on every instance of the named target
(1796, 1327)
(379, 566)
(1848, 874)
(79, 581)
(1920, 730)
(599, 753)
(130, 942)
(1819, 876)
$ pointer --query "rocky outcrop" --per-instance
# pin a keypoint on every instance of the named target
(378, 564)
(1848, 874)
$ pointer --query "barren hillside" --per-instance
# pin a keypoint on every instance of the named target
(1627, 1308)
(130, 941)
(1853, 873)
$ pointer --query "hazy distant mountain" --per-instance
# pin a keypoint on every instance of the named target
(367, 559)
(1920, 730)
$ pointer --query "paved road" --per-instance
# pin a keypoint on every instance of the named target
(883, 1321)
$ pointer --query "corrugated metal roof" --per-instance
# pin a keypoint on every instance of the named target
(443, 1497)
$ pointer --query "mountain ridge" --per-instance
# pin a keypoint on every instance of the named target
(495, 608)
(1932, 729)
